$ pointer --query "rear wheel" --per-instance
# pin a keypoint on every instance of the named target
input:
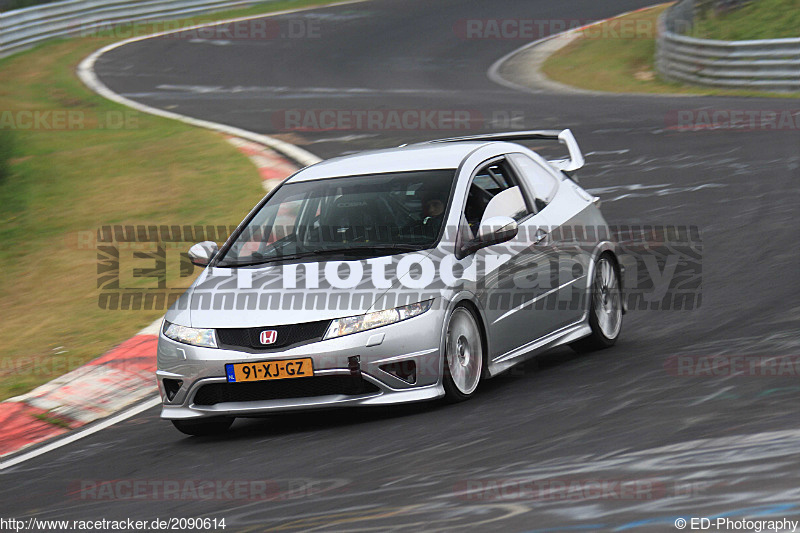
(463, 358)
(605, 310)
(204, 426)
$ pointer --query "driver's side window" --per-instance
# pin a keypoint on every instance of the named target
(494, 191)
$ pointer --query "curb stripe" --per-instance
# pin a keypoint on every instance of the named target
(273, 167)
(543, 84)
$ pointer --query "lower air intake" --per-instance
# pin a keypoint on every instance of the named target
(215, 393)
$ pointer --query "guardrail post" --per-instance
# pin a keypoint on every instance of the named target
(766, 65)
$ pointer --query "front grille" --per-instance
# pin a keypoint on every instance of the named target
(289, 335)
(215, 393)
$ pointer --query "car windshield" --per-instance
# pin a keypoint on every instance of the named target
(352, 217)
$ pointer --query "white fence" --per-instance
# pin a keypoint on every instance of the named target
(23, 28)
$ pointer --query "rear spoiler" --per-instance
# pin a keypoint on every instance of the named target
(571, 164)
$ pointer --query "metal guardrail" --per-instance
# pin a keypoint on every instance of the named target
(23, 28)
(769, 64)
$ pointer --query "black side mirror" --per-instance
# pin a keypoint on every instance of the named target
(494, 230)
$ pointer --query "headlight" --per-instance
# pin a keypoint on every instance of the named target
(354, 324)
(196, 337)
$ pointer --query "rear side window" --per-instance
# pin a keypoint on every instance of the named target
(541, 183)
(491, 178)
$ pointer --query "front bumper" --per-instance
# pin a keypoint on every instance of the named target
(417, 339)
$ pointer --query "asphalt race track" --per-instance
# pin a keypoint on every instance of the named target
(692, 446)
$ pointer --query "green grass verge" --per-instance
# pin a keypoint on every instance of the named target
(60, 182)
(761, 19)
(619, 56)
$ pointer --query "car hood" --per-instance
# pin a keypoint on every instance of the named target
(295, 293)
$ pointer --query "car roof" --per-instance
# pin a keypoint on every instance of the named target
(401, 159)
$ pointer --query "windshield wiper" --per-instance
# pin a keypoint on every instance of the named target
(369, 250)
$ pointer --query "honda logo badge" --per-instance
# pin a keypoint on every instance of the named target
(268, 336)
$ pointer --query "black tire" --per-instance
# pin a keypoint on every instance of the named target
(463, 350)
(604, 334)
(204, 426)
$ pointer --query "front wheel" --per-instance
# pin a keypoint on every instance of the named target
(605, 309)
(203, 427)
(463, 357)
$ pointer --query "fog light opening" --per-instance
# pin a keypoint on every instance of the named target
(171, 387)
(404, 370)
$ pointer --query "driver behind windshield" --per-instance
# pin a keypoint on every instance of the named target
(346, 215)
(432, 209)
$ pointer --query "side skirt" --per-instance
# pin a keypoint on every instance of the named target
(559, 337)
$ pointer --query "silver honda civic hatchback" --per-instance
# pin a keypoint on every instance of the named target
(392, 276)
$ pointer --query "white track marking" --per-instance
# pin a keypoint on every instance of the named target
(710, 396)
(153, 328)
(81, 433)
